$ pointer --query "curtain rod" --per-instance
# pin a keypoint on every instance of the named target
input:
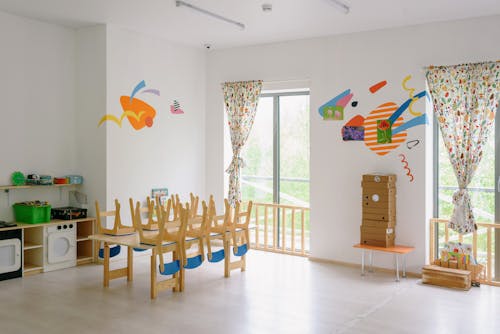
(425, 68)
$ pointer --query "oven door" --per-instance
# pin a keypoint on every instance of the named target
(10, 255)
(61, 247)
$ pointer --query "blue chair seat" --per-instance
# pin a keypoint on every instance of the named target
(170, 268)
(216, 256)
(241, 250)
(193, 262)
(113, 251)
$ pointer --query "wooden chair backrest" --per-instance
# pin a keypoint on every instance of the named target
(113, 213)
(242, 215)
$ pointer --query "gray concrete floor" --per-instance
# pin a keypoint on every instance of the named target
(277, 294)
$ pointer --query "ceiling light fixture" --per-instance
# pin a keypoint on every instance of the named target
(179, 3)
(341, 6)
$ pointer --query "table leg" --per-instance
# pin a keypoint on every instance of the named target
(227, 257)
(397, 267)
(106, 265)
(130, 264)
(404, 265)
(153, 290)
(362, 262)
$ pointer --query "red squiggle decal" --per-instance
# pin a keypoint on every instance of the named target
(405, 167)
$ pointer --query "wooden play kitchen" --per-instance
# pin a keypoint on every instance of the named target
(378, 224)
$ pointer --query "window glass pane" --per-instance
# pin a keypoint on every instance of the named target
(257, 176)
(294, 150)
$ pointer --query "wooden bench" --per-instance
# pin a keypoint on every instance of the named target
(397, 250)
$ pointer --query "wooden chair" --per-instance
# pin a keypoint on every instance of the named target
(239, 229)
(118, 228)
(164, 242)
(151, 224)
(195, 235)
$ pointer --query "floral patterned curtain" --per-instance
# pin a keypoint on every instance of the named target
(465, 100)
(240, 101)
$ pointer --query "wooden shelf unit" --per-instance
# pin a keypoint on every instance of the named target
(33, 243)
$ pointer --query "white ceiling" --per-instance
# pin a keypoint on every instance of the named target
(289, 20)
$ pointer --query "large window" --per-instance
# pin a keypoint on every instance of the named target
(277, 150)
(485, 198)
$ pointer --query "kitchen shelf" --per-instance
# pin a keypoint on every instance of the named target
(31, 245)
(28, 186)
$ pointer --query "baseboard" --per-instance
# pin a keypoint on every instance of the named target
(357, 265)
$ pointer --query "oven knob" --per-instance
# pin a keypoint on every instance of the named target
(70, 225)
(58, 227)
(65, 226)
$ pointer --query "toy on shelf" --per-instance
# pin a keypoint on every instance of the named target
(456, 268)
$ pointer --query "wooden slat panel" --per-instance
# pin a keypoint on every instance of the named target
(265, 225)
(283, 232)
(293, 230)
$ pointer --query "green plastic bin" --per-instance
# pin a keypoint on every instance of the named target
(32, 214)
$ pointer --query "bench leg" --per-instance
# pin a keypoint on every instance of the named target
(371, 262)
(362, 262)
(397, 267)
(404, 265)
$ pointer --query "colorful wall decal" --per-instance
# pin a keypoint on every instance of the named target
(353, 133)
(138, 113)
(334, 109)
(412, 143)
(384, 131)
(373, 89)
(420, 120)
(405, 167)
(382, 112)
(152, 91)
(404, 106)
(354, 129)
(175, 108)
(410, 91)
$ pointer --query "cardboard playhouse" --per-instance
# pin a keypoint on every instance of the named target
(378, 225)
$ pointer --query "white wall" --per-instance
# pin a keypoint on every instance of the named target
(91, 105)
(170, 153)
(37, 90)
(332, 65)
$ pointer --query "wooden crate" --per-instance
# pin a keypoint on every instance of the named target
(477, 270)
(447, 277)
(384, 194)
(379, 178)
(381, 237)
(378, 223)
(388, 217)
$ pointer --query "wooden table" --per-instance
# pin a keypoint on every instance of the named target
(397, 250)
(130, 241)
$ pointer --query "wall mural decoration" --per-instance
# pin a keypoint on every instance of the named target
(410, 91)
(412, 143)
(405, 167)
(383, 112)
(373, 89)
(138, 113)
(354, 129)
(334, 109)
(175, 108)
(384, 128)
